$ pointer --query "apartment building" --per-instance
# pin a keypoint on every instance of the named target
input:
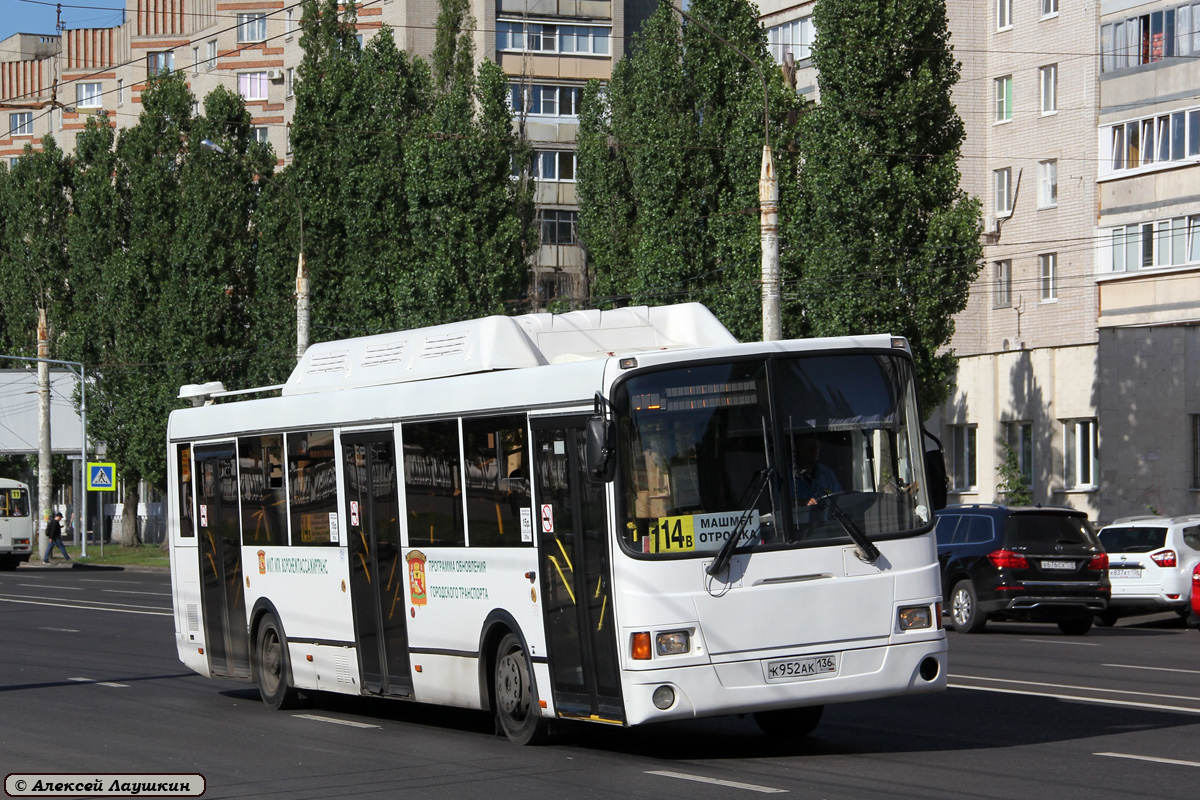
(550, 48)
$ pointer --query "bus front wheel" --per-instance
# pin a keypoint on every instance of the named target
(273, 670)
(517, 709)
(789, 723)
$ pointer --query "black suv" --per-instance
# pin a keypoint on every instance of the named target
(1031, 564)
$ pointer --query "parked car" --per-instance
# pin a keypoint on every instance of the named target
(1034, 564)
(1150, 562)
(1196, 592)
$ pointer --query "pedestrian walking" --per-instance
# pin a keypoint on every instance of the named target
(54, 537)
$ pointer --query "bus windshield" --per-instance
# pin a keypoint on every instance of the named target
(837, 434)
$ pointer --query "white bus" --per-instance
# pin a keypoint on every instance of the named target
(606, 516)
(16, 524)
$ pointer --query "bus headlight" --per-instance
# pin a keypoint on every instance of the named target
(913, 618)
(673, 643)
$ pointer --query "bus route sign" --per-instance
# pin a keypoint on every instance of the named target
(101, 477)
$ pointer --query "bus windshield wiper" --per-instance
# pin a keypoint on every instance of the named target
(761, 479)
(867, 550)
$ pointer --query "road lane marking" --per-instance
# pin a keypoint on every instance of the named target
(1155, 759)
(1063, 641)
(88, 608)
(100, 683)
(1154, 669)
(60, 630)
(1077, 687)
(56, 588)
(346, 722)
(130, 591)
(684, 776)
(1079, 699)
(76, 600)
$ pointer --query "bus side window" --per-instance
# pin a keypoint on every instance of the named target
(432, 483)
(497, 480)
(187, 526)
(312, 487)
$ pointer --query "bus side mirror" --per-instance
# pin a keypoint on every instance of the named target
(601, 449)
(935, 471)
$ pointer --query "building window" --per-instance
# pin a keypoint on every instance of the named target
(160, 62)
(210, 50)
(1019, 436)
(195, 60)
(1150, 38)
(251, 27)
(120, 91)
(20, 124)
(555, 165)
(291, 81)
(1079, 454)
(795, 37)
(1004, 98)
(1173, 242)
(259, 133)
(1049, 81)
(557, 227)
(88, 95)
(1003, 14)
(1002, 181)
(1049, 8)
(544, 100)
(542, 37)
(290, 21)
(252, 85)
(1047, 184)
(962, 458)
(1003, 271)
(1048, 271)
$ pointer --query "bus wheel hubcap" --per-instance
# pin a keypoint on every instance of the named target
(510, 687)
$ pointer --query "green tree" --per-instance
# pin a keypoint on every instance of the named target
(1012, 481)
(669, 160)
(884, 240)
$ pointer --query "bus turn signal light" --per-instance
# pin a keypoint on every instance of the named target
(641, 646)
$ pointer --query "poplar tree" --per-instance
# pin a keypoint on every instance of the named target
(669, 160)
(884, 240)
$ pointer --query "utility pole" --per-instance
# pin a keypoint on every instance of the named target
(45, 486)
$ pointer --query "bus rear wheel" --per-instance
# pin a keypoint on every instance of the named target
(789, 723)
(273, 670)
(516, 708)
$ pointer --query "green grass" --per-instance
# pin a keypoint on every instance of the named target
(143, 555)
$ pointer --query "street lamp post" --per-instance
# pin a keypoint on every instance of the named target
(303, 302)
(768, 201)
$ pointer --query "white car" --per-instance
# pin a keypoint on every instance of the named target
(1150, 562)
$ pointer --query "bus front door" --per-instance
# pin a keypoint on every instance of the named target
(573, 555)
(377, 571)
(226, 632)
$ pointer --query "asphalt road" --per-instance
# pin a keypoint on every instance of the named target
(89, 682)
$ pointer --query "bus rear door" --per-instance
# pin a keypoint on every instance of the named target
(226, 635)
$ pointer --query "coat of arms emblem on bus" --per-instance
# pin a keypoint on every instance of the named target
(262, 562)
(416, 577)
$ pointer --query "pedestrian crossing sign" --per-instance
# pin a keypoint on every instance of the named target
(100, 477)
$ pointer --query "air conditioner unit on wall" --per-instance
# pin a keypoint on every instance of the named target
(991, 225)
(274, 74)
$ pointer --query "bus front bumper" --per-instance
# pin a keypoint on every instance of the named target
(742, 687)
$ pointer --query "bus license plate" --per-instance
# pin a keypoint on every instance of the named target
(1058, 565)
(799, 669)
(1128, 572)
